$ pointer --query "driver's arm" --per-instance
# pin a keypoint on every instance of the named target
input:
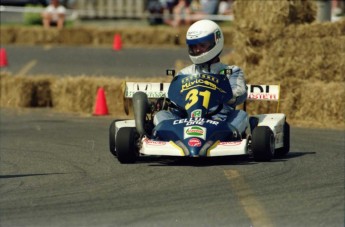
(238, 86)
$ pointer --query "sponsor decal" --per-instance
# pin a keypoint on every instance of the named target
(263, 96)
(195, 131)
(198, 83)
(261, 88)
(154, 143)
(263, 92)
(196, 113)
(194, 142)
(212, 122)
(195, 121)
(233, 143)
(218, 35)
(202, 80)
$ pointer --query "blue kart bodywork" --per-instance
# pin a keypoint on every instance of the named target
(197, 132)
(197, 95)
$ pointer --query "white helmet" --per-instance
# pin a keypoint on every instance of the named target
(204, 31)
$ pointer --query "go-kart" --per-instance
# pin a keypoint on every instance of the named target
(196, 98)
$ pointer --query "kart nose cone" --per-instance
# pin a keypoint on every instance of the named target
(194, 144)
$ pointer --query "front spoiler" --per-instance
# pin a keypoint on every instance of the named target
(162, 148)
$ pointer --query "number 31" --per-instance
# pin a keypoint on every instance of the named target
(193, 97)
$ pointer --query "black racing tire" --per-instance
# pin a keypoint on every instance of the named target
(126, 145)
(112, 138)
(280, 152)
(262, 144)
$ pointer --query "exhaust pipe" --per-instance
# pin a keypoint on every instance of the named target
(140, 108)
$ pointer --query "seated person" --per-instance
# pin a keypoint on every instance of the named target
(181, 13)
(225, 7)
(54, 15)
(206, 8)
(209, 7)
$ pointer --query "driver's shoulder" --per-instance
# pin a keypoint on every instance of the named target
(188, 70)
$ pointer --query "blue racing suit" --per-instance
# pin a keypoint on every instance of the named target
(237, 118)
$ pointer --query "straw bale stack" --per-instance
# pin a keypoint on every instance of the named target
(78, 94)
(136, 36)
(277, 43)
(19, 91)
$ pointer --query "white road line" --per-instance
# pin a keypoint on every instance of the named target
(252, 207)
(23, 71)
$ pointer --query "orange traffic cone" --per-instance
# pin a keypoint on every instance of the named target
(101, 107)
(117, 44)
(3, 58)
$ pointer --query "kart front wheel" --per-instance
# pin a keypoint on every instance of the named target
(263, 144)
(126, 145)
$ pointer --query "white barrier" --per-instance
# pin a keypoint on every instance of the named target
(132, 9)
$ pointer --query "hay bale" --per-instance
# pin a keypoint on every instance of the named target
(282, 46)
(321, 105)
(16, 91)
(74, 94)
(104, 36)
(259, 15)
(41, 91)
(7, 35)
(152, 36)
(79, 36)
(78, 94)
(20, 91)
(309, 59)
(29, 35)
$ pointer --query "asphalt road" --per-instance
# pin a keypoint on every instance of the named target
(56, 170)
(91, 61)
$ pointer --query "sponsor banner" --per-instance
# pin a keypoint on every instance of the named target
(153, 90)
(194, 131)
(150, 94)
(194, 142)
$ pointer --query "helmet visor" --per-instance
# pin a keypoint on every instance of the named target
(197, 47)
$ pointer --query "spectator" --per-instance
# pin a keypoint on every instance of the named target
(54, 15)
(168, 10)
(225, 7)
(206, 7)
(339, 8)
(209, 6)
(169, 5)
(181, 13)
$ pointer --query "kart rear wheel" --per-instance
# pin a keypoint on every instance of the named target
(112, 138)
(286, 141)
(126, 145)
(262, 144)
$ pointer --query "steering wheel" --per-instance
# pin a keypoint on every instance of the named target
(210, 114)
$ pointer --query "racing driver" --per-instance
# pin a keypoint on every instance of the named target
(205, 42)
